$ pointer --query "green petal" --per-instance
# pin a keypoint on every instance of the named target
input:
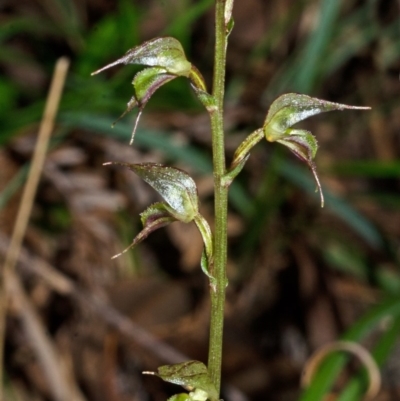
(165, 52)
(176, 187)
(291, 108)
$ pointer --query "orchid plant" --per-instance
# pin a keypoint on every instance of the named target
(164, 60)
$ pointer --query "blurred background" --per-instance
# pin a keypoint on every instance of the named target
(300, 276)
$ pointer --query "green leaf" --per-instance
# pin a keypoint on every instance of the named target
(317, 48)
(381, 354)
(193, 375)
(153, 218)
(363, 355)
(164, 52)
(367, 168)
(176, 187)
(340, 207)
(181, 24)
(329, 371)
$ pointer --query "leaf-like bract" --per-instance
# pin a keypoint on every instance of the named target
(199, 86)
(243, 150)
(191, 375)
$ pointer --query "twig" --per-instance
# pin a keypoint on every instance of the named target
(64, 285)
(356, 349)
(61, 284)
(45, 129)
(59, 385)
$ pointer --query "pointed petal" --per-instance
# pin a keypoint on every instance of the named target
(303, 144)
(153, 218)
(176, 187)
(166, 52)
(291, 108)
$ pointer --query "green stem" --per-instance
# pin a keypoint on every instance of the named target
(221, 201)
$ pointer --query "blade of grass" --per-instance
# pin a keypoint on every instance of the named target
(276, 31)
(151, 139)
(315, 50)
(148, 139)
(27, 199)
(354, 390)
(368, 168)
(337, 46)
(183, 22)
(301, 178)
(66, 18)
(329, 371)
(266, 202)
(347, 259)
(347, 45)
(12, 187)
(20, 177)
(240, 199)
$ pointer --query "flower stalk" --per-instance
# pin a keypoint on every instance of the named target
(221, 199)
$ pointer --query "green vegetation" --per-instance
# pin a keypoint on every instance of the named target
(289, 253)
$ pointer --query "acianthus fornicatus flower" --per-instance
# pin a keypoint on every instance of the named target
(283, 113)
(166, 60)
